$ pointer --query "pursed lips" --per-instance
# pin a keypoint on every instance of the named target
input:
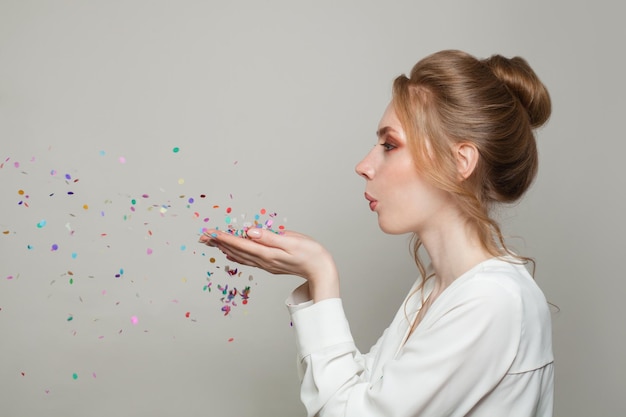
(373, 201)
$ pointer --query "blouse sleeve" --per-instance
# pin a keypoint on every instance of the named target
(453, 358)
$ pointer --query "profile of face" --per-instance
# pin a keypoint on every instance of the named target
(403, 200)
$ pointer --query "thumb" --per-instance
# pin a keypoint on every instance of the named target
(254, 233)
(265, 237)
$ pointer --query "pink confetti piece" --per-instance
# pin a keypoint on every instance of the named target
(134, 320)
(149, 251)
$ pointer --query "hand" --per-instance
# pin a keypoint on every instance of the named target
(289, 253)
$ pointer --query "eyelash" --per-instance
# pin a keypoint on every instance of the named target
(388, 146)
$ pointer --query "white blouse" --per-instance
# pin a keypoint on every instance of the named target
(484, 348)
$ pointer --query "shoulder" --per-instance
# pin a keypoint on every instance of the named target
(496, 291)
(502, 278)
(506, 293)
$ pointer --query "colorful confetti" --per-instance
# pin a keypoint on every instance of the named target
(106, 230)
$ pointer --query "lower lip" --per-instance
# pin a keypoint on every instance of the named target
(373, 205)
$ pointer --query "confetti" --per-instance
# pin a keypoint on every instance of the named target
(94, 218)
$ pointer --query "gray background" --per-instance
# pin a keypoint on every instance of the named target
(271, 103)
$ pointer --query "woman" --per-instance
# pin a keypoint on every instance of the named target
(473, 337)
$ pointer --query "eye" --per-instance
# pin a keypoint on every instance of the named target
(388, 146)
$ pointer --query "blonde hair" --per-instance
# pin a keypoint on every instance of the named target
(495, 104)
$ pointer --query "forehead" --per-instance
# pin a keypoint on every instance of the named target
(389, 120)
(389, 116)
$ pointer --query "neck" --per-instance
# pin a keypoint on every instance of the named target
(453, 248)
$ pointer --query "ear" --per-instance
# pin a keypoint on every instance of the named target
(466, 159)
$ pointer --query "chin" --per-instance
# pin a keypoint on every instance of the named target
(392, 229)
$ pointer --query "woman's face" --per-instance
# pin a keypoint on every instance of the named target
(404, 201)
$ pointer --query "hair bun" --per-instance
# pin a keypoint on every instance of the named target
(524, 84)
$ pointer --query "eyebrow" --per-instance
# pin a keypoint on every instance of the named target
(384, 130)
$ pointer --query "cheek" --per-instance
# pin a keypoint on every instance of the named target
(405, 179)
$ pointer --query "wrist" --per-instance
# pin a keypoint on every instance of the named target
(325, 284)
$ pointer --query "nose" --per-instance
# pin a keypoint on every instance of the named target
(365, 168)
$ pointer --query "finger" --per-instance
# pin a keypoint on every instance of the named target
(272, 239)
(208, 237)
(250, 251)
(254, 259)
(262, 250)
